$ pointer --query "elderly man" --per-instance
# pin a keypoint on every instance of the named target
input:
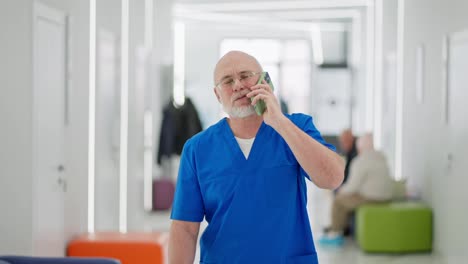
(246, 176)
(369, 182)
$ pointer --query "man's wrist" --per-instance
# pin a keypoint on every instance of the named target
(282, 124)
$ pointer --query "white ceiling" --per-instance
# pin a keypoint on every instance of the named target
(333, 18)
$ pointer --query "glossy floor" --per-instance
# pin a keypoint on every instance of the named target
(319, 202)
(319, 207)
(350, 253)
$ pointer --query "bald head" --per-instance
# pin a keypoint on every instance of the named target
(365, 143)
(234, 62)
(346, 140)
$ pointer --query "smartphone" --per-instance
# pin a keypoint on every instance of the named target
(260, 106)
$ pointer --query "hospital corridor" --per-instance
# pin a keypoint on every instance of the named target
(226, 132)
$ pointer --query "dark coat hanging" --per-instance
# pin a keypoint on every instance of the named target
(178, 125)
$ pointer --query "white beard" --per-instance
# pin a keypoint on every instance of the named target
(240, 111)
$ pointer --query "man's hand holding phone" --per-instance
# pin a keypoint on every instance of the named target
(264, 100)
(260, 105)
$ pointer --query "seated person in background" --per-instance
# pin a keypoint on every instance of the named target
(348, 149)
(369, 182)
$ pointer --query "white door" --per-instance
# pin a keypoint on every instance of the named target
(49, 99)
(457, 156)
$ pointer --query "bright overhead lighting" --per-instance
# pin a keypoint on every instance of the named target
(317, 44)
(179, 64)
(242, 20)
(272, 5)
(123, 117)
(313, 15)
(91, 114)
(378, 82)
(369, 123)
(399, 91)
(148, 114)
(148, 159)
(149, 24)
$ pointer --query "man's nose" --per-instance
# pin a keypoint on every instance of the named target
(238, 85)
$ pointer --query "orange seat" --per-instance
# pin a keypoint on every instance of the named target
(129, 248)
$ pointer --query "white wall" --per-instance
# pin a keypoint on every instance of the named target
(108, 15)
(108, 107)
(107, 183)
(16, 120)
(77, 195)
(424, 134)
(332, 85)
(16, 137)
(16, 113)
(163, 55)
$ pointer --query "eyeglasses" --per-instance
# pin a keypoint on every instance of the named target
(245, 78)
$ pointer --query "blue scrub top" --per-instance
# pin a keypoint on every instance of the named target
(256, 207)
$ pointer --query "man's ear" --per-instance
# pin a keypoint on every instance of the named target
(215, 90)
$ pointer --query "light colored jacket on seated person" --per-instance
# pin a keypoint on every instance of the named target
(370, 177)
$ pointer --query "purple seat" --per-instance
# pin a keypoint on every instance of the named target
(163, 194)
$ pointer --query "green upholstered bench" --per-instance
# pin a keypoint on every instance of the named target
(396, 227)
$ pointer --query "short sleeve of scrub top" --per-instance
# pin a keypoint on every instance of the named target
(305, 123)
(188, 201)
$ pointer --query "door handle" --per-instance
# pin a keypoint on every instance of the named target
(449, 161)
(61, 181)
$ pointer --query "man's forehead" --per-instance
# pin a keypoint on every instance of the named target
(235, 62)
